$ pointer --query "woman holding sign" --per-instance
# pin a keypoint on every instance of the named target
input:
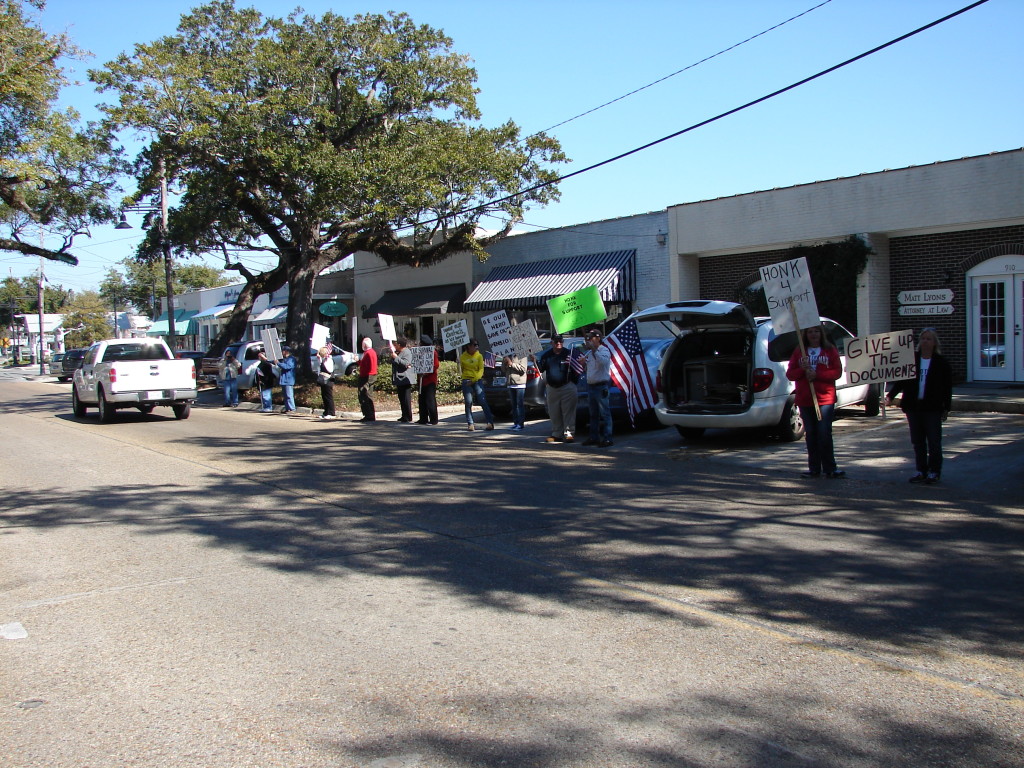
(927, 400)
(814, 368)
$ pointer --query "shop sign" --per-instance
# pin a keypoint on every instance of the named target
(925, 310)
(927, 296)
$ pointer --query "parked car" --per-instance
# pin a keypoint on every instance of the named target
(247, 353)
(727, 369)
(72, 362)
(496, 391)
(196, 358)
(56, 365)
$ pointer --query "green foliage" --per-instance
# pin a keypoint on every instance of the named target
(89, 309)
(448, 378)
(314, 137)
(19, 296)
(834, 269)
(143, 284)
(54, 175)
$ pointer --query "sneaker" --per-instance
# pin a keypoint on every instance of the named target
(470, 427)
(328, 418)
(918, 478)
(489, 428)
(554, 439)
(810, 474)
(569, 439)
(838, 474)
(514, 427)
(932, 478)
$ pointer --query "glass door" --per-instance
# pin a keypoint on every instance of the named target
(993, 356)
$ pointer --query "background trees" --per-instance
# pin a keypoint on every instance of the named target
(310, 138)
(141, 284)
(55, 176)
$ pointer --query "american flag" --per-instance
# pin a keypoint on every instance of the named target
(330, 348)
(490, 361)
(578, 360)
(629, 368)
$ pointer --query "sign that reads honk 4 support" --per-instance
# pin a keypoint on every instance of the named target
(788, 289)
(577, 309)
(881, 357)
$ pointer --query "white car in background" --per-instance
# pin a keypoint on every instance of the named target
(726, 369)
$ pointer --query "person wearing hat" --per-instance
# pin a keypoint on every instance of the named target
(286, 378)
(560, 390)
(428, 387)
(599, 382)
(471, 363)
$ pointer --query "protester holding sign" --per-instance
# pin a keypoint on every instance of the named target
(428, 386)
(560, 390)
(471, 363)
(927, 399)
(814, 368)
(286, 364)
(403, 377)
(514, 368)
(367, 380)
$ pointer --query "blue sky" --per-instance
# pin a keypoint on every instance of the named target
(953, 91)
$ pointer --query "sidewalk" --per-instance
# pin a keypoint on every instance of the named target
(993, 397)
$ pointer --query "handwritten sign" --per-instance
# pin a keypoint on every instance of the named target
(271, 343)
(525, 340)
(496, 328)
(880, 357)
(319, 337)
(422, 359)
(455, 335)
(577, 309)
(788, 284)
(387, 327)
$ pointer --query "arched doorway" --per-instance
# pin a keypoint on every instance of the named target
(996, 290)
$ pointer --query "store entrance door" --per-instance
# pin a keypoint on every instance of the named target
(997, 323)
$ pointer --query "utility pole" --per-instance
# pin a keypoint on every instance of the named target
(39, 297)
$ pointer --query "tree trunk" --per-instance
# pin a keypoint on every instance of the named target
(255, 286)
(300, 314)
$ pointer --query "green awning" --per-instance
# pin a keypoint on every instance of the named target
(183, 324)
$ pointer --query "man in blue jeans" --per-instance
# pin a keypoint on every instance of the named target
(287, 379)
(599, 381)
(228, 372)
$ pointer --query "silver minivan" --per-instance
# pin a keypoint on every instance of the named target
(726, 369)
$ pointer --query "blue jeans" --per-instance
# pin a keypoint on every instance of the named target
(820, 453)
(471, 389)
(517, 396)
(600, 412)
(230, 391)
(267, 399)
(289, 396)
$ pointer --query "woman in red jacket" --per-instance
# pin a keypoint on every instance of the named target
(817, 371)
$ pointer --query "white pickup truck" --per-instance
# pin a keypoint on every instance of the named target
(133, 373)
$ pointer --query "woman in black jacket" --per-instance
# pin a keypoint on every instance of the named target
(927, 399)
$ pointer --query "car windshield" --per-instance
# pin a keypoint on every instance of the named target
(136, 352)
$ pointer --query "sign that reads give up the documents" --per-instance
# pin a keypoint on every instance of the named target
(881, 357)
(787, 287)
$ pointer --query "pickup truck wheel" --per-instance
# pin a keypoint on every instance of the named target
(791, 425)
(690, 433)
(106, 412)
(77, 406)
(181, 410)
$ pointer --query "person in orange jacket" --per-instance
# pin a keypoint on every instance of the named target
(817, 371)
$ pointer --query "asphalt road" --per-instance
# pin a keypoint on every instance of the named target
(242, 589)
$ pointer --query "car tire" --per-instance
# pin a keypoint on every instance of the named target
(106, 411)
(873, 402)
(791, 425)
(690, 433)
(181, 411)
(77, 406)
(352, 368)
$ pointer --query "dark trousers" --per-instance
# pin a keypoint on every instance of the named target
(926, 437)
(600, 412)
(327, 395)
(428, 403)
(405, 400)
(366, 405)
(820, 452)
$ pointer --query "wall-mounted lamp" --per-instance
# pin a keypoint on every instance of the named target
(662, 238)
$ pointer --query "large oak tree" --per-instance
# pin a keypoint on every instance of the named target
(55, 175)
(310, 138)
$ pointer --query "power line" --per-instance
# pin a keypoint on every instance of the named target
(710, 120)
(684, 69)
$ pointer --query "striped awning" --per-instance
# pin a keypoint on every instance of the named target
(271, 315)
(417, 302)
(219, 311)
(530, 285)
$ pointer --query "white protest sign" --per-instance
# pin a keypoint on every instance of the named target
(387, 327)
(497, 328)
(525, 340)
(271, 343)
(788, 284)
(422, 359)
(455, 335)
(881, 357)
(319, 337)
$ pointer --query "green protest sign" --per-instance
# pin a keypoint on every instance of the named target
(577, 309)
